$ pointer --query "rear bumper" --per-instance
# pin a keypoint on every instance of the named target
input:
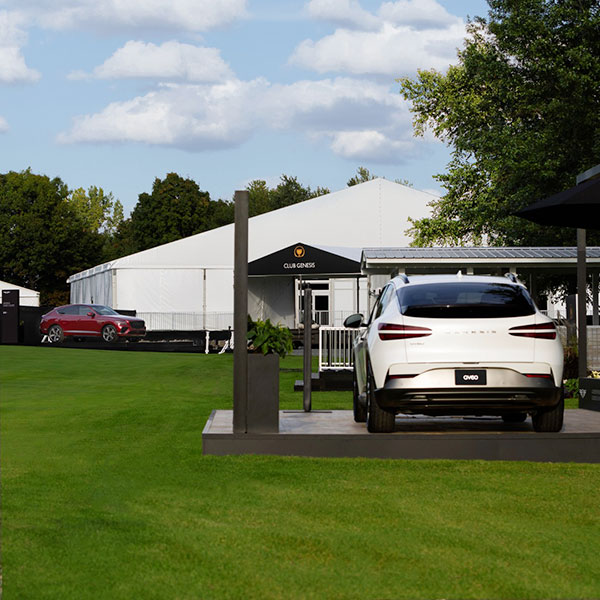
(431, 393)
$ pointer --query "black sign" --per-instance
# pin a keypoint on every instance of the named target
(301, 259)
(470, 377)
(10, 317)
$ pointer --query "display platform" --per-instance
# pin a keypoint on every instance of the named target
(335, 434)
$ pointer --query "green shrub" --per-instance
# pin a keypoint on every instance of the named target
(571, 387)
(268, 338)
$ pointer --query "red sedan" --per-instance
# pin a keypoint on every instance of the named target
(90, 320)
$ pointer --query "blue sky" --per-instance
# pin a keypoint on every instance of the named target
(114, 93)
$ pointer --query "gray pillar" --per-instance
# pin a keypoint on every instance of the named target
(307, 388)
(240, 315)
(581, 303)
(595, 298)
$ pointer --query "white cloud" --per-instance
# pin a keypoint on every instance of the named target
(185, 15)
(346, 13)
(359, 119)
(13, 68)
(195, 117)
(169, 61)
(419, 14)
(404, 36)
(369, 145)
(392, 51)
(3, 125)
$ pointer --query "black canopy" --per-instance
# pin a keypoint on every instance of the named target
(578, 207)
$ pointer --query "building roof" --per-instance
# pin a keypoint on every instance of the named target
(479, 253)
(426, 260)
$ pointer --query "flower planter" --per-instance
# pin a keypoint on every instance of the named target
(589, 393)
(263, 393)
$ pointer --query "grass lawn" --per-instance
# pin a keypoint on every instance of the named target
(106, 494)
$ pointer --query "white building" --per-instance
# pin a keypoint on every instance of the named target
(27, 297)
(188, 284)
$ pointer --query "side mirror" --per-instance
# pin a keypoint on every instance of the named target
(91, 313)
(353, 321)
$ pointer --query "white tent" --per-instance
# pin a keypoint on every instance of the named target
(195, 274)
(27, 297)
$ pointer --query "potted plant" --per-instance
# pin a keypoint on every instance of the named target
(266, 344)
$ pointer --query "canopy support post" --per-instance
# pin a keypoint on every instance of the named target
(581, 303)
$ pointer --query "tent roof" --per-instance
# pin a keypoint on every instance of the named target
(374, 213)
(23, 291)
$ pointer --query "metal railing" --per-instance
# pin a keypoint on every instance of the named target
(335, 348)
(193, 321)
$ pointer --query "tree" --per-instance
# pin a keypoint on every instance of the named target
(43, 239)
(521, 111)
(176, 208)
(221, 212)
(363, 174)
(288, 191)
(259, 198)
(99, 211)
(103, 215)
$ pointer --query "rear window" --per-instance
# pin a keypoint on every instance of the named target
(465, 300)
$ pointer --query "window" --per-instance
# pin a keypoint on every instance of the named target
(105, 310)
(460, 300)
(382, 302)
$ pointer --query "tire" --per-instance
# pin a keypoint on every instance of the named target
(378, 420)
(515, 417)
(359, 410)
(550, 420)
(109, 334)
(56, 335)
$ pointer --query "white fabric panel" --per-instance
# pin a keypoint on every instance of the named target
(160, 290)
(219, 290)
(96, 289)
(272, 298)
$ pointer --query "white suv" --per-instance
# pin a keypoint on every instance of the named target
(457, 345)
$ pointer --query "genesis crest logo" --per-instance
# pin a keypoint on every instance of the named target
(299, 251)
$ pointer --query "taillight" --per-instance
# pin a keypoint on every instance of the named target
(539, 375)
(391, 331)
(546, 331)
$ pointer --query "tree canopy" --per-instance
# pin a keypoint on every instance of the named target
(43, 238)
(521, 111)
(363, 175)
(175, 208)
(287, 192)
